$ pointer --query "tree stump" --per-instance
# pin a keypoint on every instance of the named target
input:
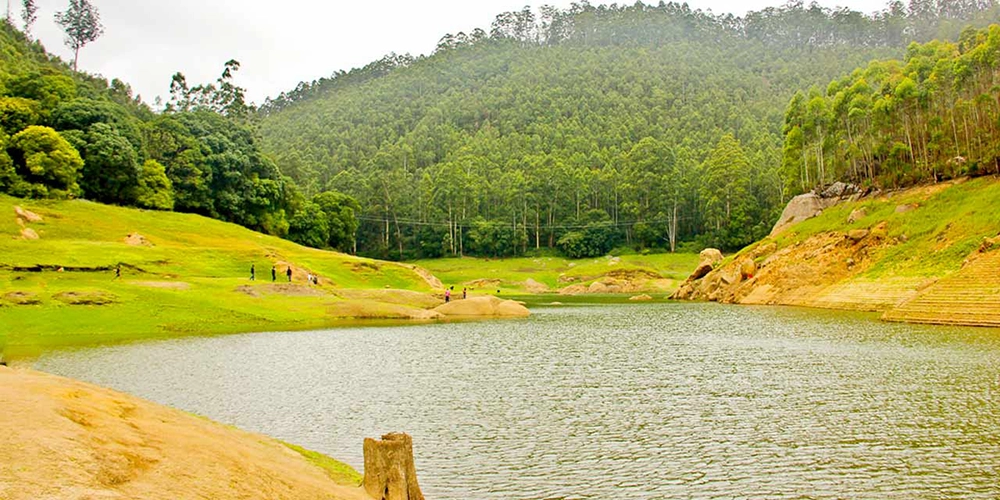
(390, 473)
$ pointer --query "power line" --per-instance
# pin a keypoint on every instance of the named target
(466, 225)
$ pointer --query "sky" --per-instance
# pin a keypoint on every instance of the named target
(280, 43)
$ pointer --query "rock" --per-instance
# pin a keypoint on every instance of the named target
(700, 272)
(641, 298)
(840, 190)
(137, 240)
(685, 292)
(484, 307)
(29, 234)
(708, 258)
(599, 287)
(574, 290)
(857, 215)
(390, 473)
(902, 209)
(533, 286)
(800, 208)
(857, 235)
(710, 255)
(27, 215)
(989, 244)
(730, 276)
(748, 268)
(762, 250)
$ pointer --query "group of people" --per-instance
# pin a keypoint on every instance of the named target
(447, 293)
(313, 279)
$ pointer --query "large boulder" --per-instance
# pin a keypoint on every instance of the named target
(708, 258)
(490, 307)
(802, 207)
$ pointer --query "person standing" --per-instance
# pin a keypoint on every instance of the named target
(288, 272)
(118, 271)
(253, 272)
(447, 295)
(274, 274)
(465, 293)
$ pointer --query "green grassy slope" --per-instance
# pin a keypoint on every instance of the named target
(191, 277)
(555, 272)
(926, 254)
(945, 224)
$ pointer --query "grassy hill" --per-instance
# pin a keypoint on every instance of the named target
(658, 273)
(178, 271)
(926, 254)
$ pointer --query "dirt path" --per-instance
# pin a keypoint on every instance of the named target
(71, 440)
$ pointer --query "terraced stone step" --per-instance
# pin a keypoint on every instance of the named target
(971, 297)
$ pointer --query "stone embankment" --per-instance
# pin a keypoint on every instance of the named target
(969, 297)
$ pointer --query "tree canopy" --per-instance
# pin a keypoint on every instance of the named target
(667, 119)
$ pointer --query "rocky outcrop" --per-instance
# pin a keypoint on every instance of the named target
(390, 473)
(641, 298)
(487, 307)
(137, 240)
(620, 281)
(809, 205)
(708, 258)
(26, 215)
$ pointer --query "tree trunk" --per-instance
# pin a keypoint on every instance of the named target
(390, 473)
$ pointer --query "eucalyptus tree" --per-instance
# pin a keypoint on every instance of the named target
(29, 14)
(82, 24)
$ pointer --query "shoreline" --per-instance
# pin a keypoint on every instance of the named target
(72, 439)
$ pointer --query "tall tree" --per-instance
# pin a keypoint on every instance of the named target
(29, 14)
(82, 24)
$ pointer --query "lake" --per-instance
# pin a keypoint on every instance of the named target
(609, 401)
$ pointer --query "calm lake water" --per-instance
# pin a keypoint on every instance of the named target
(623, 401)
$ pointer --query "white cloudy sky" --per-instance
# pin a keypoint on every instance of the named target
(283, 42)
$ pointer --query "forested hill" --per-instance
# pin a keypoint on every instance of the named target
(932, 115)
(582, 128)
(67, 134)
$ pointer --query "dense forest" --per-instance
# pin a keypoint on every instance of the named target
(65, 133)
(579, 130)
(586, 128)
(933, 115)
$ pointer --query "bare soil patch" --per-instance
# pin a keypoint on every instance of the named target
(166, 285)
(85, 298)
(286, 289)
(67, 439)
